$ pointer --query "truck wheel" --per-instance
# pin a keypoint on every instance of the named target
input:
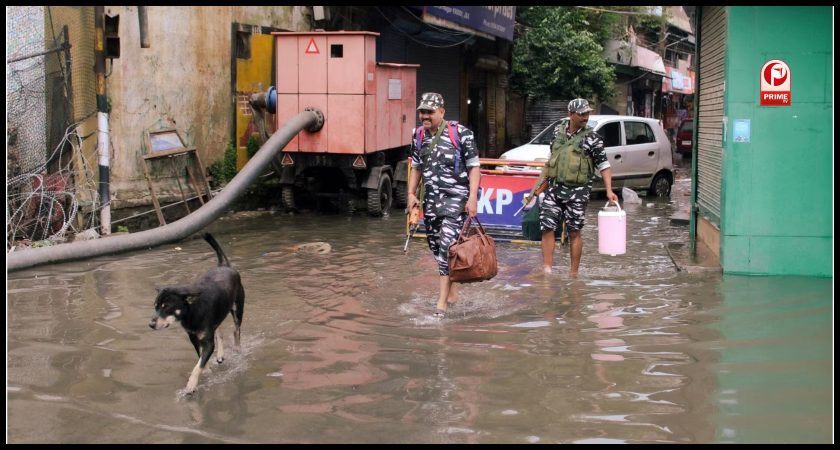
(379, 200)
(401, 194)
(288, 194)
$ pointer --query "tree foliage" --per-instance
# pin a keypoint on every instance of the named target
(558, 53)
(224, 169)
(558, 50)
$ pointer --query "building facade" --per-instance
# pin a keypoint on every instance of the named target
(185, 79)
(763, 175)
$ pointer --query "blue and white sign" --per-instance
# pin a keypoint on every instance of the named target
(741, 130)
(495, 20)
(501, 196)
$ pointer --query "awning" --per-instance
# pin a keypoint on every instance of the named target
(649, 60)
(623, 53)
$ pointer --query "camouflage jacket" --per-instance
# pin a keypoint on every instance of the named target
(446, 191)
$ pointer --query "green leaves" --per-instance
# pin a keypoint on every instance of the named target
(558, 54)
(223, 170)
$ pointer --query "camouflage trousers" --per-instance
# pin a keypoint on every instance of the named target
(554, 210)
(441, 232)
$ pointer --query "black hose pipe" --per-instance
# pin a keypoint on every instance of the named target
(179, 229)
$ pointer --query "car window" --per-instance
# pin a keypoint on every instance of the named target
(545, 137)
(638, 133)
(688, 125)
(611, 133)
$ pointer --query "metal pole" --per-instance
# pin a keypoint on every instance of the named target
(143, 18)
(102, 122)
(692, 212)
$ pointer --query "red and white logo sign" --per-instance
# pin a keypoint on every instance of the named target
(312, 47)
(775, 83)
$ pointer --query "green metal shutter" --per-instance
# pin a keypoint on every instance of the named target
(711, 111)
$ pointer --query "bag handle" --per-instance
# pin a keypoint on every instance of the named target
(616, 204)
(467, 223)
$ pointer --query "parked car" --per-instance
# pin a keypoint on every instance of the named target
(637, 148)
(685, 134)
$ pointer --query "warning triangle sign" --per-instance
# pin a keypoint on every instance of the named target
(312, 47)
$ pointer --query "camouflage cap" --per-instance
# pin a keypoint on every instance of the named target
(579, 105)
(430, 101)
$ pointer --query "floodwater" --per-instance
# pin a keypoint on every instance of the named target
(339, 346)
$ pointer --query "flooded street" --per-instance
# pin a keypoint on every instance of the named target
(340, 347)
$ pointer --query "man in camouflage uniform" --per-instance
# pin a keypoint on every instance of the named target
(568, 202)
(450, 194)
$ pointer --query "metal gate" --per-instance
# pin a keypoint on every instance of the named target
(440, 68)
(710, 127)
(541, 113)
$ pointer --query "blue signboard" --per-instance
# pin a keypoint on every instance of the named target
(495, 20)
(742, 130)
(501, 196)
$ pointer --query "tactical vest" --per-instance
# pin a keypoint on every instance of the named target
(569, 163)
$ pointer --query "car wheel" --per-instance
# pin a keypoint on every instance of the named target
(661, 185)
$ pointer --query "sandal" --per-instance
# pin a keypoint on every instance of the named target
(439, 314)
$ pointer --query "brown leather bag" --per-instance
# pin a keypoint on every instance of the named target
(473, 256)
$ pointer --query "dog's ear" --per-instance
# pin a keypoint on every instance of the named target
(159, 289)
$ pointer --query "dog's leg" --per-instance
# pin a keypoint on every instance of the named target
(236, 312)
(220, 354)
(193, 381)
(194, 340)
(207, 347)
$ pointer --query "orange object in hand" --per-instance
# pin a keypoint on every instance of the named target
(414, 221)
(414, 215)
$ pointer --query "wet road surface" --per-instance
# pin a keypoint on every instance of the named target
(340, 346)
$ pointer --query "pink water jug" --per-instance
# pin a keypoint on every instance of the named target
(612, 230)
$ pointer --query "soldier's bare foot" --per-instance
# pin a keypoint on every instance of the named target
(547, 269)
(452, 298)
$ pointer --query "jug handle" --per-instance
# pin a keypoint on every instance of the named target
(616, 204)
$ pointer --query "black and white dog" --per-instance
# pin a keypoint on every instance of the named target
(201, 307)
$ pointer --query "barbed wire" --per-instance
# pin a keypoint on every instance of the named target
(46, 184)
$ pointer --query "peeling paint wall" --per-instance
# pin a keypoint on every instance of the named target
(182, 81)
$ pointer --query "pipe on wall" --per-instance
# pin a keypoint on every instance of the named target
(102, 121)
(142, 16)
(179, 229)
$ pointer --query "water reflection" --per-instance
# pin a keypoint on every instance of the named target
(337, 346)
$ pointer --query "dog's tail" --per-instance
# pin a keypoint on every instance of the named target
(223, 261)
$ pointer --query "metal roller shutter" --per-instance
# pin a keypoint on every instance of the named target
(710, 112)
(440, 68)
(541, 113)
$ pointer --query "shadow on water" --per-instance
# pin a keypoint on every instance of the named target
(338, 345)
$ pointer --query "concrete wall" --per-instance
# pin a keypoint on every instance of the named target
(777, 196)
(182, 81)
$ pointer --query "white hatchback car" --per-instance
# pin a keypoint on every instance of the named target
(638, 150)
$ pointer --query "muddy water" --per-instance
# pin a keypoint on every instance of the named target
(339, 347)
